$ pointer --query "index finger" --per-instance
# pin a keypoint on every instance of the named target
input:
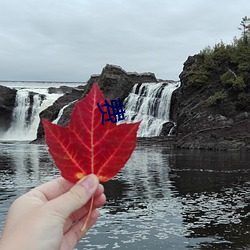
(54, 188)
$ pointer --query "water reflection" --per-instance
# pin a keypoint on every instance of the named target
(160, 200)
(214, 187)
(22, 167)
(26, 164)
(141, 209)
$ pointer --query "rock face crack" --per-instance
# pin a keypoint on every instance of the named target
(202, 124)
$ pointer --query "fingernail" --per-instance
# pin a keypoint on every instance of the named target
(89, 182)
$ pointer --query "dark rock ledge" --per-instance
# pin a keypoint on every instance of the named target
(115, 83)
(224, 126)
(7, 104)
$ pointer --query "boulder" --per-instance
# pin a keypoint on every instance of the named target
(116, 83)
(166, 128)
(52, 112)
(64, 89)
(7, 104)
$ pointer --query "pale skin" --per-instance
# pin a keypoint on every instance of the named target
(50, 216)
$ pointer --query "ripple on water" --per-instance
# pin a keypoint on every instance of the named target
(158, 201)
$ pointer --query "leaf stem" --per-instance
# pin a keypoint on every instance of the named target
(84, 228)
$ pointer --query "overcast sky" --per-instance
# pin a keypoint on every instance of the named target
(68, 40)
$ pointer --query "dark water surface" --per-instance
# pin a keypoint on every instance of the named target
(161, 200)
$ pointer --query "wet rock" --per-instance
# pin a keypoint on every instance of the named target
(7, 104)
(64, 89)
(115, 82)
(166, 128)
(52, 112)
(60, 90)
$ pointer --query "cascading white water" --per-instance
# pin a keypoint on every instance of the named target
(20, 112)
(149, 103)
(25, 117)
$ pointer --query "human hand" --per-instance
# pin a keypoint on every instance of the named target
(50, 216)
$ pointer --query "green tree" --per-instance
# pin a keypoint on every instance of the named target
(245, 28)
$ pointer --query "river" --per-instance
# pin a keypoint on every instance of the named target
(162, 199)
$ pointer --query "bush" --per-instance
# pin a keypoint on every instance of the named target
(242, 96)
(197, 75)
(216, 98)
(244, 69)
(223, 53)
(239, 84)
(234, 81)
(206, 51)
(228, 78)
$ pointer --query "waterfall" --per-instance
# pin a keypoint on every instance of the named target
(149, 103)
(25, 117)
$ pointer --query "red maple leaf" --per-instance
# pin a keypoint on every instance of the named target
(86, 146)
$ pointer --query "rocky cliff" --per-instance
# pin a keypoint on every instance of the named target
(210, 114)
(115, 83)
(7, 104)
(211, 108)
(51, 113)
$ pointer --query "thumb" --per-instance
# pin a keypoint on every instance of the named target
(76, 197)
